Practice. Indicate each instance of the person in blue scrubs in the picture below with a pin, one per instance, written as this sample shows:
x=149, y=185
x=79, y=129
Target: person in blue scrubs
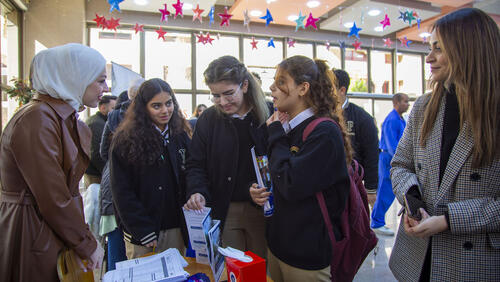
x=392, y=130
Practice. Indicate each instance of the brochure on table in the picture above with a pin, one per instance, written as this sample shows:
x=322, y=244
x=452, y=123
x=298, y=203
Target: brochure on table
x=204, y=236
x=165, y=266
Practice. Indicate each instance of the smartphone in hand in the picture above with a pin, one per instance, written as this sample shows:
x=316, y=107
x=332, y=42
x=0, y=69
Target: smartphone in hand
x=413, y=203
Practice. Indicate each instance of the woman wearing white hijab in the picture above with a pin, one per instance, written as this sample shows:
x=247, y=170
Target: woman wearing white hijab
x=44, y=152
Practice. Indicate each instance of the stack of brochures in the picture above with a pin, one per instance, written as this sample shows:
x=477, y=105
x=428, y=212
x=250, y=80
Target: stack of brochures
x=204, y=236
x=166, y=266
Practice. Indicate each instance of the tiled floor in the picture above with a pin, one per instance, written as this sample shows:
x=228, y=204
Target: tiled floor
x=376, y=265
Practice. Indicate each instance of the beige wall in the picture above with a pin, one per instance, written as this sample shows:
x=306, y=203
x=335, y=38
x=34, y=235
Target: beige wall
x=52, y=23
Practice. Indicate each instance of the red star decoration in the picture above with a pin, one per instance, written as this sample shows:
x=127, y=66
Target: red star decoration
x=387, y=42
x=404, y=41
x=178, y=9
x=291, y=43
x=197, y=13
x=208, y=39
x=161, y=33
x=311, y=21
x=164, y=13
x=113, y=23
x=201, y=38
x=356, y=45
x=99, y=20
x=254, y=43
x=225, y=18
x=138, y=28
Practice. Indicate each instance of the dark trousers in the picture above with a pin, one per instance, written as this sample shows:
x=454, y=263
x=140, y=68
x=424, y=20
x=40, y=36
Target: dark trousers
x=116, y=248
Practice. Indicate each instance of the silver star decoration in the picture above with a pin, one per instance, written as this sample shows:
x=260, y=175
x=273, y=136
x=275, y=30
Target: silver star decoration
x=246, y=19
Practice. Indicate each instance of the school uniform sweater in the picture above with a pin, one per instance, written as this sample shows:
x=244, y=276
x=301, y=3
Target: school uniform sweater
x=296, y=232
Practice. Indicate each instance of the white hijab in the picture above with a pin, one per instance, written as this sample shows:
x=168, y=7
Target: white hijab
x=65, y=71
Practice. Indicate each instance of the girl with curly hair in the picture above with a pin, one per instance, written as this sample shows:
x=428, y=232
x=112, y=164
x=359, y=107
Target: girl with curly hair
x=300, y=249
x=147, y=167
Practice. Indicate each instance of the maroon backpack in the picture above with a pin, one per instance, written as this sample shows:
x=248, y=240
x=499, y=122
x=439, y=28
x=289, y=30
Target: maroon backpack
x=359, y=239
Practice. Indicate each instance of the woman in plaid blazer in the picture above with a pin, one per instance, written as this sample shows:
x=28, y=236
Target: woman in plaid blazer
x=450, y=152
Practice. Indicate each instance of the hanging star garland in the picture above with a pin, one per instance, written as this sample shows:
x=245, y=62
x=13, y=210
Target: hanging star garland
x=405, y=42
x=115, y=5
x=300, y=21
x=211, y=16
x=271, y=43
x=419, y=21
x=342, y=44
x=311, y=21
x=387, y=42
x=354, y=31
x=164, y=13
x=254, y=43
x=291, y=42
x=357, y=45
x=403, y=16
x=197, y=13
x=385, y=22
x=225, y=18
x=201, y=38
x=161, y=33
x=100, y=21
x=246, y=19
x=327, y=45
x=138, y=28
x=178, y=9
x=267, y=17
x=113, y=23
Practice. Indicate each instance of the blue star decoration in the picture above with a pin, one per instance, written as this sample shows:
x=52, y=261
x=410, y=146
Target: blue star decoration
x=403, y=16
x=300, y=21
x=211, y=15
x=114, y=5
x=354, y=31
x=271, y=43
x=342, y=44
x=267, y=17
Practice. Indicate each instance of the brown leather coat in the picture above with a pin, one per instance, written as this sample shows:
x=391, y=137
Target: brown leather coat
x=44, y=152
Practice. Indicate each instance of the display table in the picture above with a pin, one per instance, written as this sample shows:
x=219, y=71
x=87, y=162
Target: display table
x=195, y=267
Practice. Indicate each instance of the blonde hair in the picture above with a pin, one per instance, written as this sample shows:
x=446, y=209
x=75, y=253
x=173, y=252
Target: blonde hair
x=469, y=39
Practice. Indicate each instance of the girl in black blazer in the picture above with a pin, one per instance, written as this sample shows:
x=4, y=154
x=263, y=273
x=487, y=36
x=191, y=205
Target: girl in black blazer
x=220, y=169
x=147, y=170
x=299, y=248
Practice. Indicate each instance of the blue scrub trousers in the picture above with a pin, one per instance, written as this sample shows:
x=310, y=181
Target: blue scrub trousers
x=116, y=248
x=385, y=196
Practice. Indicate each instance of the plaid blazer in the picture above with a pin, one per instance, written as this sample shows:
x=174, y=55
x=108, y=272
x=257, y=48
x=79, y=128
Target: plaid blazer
x=470, y=250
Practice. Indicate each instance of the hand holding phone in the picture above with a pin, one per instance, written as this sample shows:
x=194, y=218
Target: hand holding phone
x=413, y=203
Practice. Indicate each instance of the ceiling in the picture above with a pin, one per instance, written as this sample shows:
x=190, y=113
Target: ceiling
x=333, y=14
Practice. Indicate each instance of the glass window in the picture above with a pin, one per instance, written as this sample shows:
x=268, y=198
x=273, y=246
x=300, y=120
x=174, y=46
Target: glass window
x=331, y=55
x=356, y=65
x=409, y=74
x=366, y=104
x=169, y=60
x=382, y=109
x=263, y=60
x=304, y=49
x=381, y=72
x=427, y=70
x=10, y=59
x=185, y=103
x=225, y=45
x=204, y=99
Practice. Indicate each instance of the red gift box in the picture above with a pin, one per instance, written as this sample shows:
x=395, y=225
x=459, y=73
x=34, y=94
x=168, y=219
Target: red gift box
x=254, y=271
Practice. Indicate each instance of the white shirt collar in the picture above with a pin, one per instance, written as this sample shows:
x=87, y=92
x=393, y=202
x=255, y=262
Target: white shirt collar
x=163, y=133
x=345, y=103
x=298, y=119
x=240, y=117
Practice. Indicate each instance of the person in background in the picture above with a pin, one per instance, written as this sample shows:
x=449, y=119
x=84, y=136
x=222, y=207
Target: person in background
x=108, y=226
x=299, y=248
x=392, y=130
x=363, y=133
x=44, y=152
x=197, y=112
x=450, y=155
x=147, y=170
x=220, y=167
x=96, y=124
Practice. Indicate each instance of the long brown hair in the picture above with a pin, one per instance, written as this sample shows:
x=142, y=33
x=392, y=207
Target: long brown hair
x=229, y=69
x=322, y=96
x=469, y=39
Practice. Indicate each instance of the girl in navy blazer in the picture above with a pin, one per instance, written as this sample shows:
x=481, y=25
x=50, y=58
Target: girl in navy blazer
x=147, y=168
x=299, y=248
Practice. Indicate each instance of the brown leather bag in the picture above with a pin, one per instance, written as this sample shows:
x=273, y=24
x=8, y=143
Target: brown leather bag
x=68, y=269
